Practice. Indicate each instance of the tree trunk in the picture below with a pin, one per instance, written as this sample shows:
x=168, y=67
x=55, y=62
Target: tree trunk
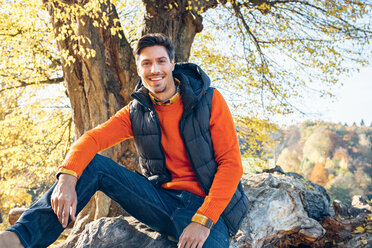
x=98, y=87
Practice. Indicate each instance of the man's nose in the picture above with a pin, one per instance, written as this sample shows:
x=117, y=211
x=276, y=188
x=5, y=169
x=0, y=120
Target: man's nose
x=154, y=68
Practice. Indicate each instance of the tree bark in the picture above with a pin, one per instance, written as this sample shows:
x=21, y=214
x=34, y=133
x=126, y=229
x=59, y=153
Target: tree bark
x=97, y=88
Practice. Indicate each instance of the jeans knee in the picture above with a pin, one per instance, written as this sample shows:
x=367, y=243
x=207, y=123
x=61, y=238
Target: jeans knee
x=101, y=164
x=98, y=161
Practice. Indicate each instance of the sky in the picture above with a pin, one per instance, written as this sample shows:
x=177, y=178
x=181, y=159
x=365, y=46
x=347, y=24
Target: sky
x=352, y=102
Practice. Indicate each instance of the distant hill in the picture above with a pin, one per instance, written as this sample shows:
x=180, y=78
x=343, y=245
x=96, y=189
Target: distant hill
x=335, y=156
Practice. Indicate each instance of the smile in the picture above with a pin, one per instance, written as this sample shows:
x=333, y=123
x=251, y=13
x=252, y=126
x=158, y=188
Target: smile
x=157, y=78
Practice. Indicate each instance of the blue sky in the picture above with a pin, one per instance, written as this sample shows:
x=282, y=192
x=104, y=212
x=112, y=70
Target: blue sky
x=352, y=101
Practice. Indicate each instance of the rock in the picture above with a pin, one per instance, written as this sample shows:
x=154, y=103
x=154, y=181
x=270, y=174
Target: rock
x=97, y=207
x=358, y=241
x=346, y=233
x=121, y=232
x=361, y=203
x=339, y=229
x=283, y=212
x=277, y=168
x=14, y=214
x=343, y=210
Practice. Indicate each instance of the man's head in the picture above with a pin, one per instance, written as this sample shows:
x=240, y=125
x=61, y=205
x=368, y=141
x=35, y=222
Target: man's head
x=156, y=39
x=155, y=63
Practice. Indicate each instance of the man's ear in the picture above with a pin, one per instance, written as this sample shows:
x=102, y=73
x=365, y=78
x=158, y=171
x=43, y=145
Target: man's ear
x=173, y=63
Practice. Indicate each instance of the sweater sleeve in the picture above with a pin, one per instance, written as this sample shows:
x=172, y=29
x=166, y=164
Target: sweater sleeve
x=115, y=130
x=227, y=156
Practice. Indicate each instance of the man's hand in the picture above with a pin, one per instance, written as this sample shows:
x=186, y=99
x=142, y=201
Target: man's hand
x=193, y=236
x=64, y=199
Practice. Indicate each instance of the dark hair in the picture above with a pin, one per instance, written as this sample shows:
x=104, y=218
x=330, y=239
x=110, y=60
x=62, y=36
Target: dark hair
x=156, y=39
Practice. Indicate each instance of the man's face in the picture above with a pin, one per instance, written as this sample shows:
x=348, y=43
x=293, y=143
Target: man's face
x=155, y=70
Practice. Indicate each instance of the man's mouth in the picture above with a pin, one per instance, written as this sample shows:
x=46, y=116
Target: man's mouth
x=155, y=78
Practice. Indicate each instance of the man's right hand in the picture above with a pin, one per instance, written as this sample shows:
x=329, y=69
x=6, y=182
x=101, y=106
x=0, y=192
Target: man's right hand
x=64, y=199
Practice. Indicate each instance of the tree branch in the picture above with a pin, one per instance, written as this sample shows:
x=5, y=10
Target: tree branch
x=24, y=84
x=12, y=35
x=264, y=62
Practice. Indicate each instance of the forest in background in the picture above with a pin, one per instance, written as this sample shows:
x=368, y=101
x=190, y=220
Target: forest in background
x=336, y=156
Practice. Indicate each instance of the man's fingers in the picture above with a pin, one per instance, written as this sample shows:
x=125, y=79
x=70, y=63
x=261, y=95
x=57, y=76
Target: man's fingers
x=200, y=244
x=65, y=214
x=73, y=210
x=181, y=244
x=180, y=241
x=52, y=203
x=59, y=211
x=185, y=242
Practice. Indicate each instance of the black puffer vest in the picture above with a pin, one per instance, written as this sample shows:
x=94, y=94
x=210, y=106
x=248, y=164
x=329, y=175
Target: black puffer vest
x=194, y=126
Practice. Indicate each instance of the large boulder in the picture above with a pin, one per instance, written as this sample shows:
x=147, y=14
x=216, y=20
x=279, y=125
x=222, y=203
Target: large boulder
x=121, y=232
x=284, y=211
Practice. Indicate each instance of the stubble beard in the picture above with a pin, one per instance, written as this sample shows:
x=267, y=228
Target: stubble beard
x=157, y=91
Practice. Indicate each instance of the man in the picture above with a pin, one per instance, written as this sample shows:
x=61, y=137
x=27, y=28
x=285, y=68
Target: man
x=188, y=152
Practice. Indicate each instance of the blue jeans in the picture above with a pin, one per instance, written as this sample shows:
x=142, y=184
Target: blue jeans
x=165, y=211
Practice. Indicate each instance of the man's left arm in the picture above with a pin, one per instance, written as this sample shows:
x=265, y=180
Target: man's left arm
x=229, y=172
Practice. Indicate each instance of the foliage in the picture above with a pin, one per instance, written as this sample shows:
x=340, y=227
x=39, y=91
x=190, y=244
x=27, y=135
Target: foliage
x=33, y=134
x=33, y=140
x=333, y=156
x=319, y=174
x=317, y=146
x=28, y=54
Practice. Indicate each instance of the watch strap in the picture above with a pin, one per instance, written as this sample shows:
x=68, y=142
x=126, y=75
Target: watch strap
x=203, y=220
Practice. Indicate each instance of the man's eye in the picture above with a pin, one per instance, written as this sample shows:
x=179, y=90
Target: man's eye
x=146, y=63
x=163, y=61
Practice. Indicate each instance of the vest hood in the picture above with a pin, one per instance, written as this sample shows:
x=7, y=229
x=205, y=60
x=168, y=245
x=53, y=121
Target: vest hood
x=194, y=83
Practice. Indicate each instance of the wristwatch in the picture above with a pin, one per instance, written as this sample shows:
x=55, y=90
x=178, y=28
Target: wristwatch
x=203, y=220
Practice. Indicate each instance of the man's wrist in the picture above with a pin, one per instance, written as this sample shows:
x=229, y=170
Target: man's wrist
x=203, y=220
x=66, y=171
x=67, y=179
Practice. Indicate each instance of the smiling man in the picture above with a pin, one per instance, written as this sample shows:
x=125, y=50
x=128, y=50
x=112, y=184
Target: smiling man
x=188, y=152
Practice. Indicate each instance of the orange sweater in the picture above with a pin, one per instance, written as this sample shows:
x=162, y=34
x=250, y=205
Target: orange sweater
x=225, y=145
